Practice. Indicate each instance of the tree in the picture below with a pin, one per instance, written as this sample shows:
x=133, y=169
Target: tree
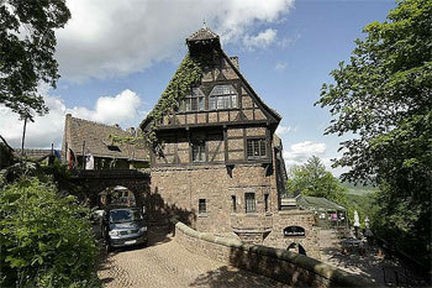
x=45, y=240
x=312, y=179
x=383, y=100
x=27, y=46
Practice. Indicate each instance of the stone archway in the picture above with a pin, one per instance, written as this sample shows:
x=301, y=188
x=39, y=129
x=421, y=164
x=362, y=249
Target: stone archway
x=297, y=248
x=93, y=182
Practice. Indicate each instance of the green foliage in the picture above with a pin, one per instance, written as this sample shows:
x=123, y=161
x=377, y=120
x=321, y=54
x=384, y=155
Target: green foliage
x=383, y=97
x=187, y=76
x=45, y=240
x=27, y=46
x=312, y=179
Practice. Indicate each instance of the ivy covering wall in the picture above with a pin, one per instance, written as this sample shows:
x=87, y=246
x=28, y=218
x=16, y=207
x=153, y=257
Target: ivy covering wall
x=188, y=74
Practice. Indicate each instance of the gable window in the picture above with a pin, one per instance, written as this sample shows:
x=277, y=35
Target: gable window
x=250, y=203
x=198, y=151
x=202, y=207
x=223, y=97
x=194, y=101
x=256, y=148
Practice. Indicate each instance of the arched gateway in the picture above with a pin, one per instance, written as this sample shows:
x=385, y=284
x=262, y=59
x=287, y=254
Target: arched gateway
x=95, y=181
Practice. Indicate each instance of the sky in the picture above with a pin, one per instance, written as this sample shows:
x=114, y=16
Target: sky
x=117, y=57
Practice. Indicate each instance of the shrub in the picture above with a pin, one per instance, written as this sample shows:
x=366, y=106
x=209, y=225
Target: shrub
x=45, y=240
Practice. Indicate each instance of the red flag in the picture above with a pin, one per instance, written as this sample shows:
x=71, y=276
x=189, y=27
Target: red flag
x=72, y=162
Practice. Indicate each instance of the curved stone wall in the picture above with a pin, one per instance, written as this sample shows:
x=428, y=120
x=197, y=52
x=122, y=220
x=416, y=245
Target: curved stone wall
x=284, y=266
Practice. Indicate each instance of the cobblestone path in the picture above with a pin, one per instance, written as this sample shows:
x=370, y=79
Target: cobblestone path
x=166, y=264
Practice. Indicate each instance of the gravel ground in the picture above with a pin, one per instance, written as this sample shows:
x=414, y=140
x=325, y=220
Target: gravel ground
x=164, y=263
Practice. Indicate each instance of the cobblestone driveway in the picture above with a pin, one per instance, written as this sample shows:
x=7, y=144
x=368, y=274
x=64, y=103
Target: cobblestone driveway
x=167, y=264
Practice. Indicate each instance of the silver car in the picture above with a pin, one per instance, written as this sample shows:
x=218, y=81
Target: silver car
x=126, y=227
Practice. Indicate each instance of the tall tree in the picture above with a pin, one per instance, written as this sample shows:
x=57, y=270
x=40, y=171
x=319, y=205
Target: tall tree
x=313, y=179
x=383, y=97
x=27, y=46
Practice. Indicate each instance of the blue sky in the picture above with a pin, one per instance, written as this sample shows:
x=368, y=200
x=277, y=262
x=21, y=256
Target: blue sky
x=116, y=60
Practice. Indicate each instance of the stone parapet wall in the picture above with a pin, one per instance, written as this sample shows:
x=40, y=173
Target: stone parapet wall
x=284, y=266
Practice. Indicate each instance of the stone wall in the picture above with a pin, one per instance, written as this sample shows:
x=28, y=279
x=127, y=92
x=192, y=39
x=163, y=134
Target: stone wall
x=302, y=218
x=284, y=266
x=181, y=188
x=184, y=186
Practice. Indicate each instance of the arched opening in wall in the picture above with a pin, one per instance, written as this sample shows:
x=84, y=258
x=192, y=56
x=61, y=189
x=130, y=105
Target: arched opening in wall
x=116, y=196
x=297, y=248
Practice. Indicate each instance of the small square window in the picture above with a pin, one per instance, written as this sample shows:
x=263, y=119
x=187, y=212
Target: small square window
x=202, y=207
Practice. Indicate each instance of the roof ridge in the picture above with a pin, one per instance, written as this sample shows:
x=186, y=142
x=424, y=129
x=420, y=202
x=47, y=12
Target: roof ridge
x=99, y=123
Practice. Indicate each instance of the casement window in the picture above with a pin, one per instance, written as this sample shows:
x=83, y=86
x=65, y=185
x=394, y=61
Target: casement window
x=250, y=206
x=202, y=206
x=233, y=203
x=223, y=97
x=193, y=102
x=198, y=151
x=256, y=148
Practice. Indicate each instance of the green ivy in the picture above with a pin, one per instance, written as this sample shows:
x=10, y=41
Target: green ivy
x=187, y=75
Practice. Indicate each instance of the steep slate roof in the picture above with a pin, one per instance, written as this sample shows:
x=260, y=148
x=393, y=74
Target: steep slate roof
x=98, y=142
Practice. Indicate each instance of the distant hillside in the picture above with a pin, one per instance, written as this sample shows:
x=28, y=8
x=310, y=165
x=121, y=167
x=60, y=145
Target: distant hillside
x=359, y=189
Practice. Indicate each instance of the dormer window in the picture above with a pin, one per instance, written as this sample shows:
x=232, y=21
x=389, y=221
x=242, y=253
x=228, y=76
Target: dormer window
x=223, y=97
x=194, y=101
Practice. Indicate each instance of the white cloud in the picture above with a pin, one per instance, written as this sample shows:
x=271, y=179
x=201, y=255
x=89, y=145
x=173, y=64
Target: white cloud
x=282, y=130
x=298, y=153
x=122, y=109
x=40, y=133
x=111, y=110
x=261, y=40
x=280, y=66
x=123, y=37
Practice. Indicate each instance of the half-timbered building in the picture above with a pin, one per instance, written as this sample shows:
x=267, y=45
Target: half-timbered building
x=216, y=153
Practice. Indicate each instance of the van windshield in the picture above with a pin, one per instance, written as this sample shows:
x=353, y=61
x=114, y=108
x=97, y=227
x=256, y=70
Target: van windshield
x=124, y=215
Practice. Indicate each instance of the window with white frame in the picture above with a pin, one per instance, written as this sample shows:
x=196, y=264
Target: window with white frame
x=223, y=97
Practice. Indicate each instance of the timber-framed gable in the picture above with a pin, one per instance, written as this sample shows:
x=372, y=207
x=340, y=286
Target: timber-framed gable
x=203, y=121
